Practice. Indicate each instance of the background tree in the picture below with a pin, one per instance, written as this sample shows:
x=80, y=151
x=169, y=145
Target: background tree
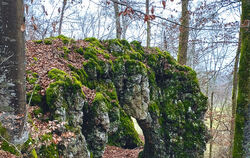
x=184, y=33
x=61, y=18
x=242, y=121
x=234, y=94
x=117, y=21
x=12, y=70
x=148, y=24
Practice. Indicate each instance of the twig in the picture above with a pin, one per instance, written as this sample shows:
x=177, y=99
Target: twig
x=6, y=59
x=12, y=145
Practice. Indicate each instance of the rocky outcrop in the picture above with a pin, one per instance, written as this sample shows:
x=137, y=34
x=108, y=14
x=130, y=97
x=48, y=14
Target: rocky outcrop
x=66, y=101
x=117, y=80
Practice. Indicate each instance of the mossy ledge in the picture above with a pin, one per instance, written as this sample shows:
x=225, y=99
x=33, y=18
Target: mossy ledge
x=119, y=80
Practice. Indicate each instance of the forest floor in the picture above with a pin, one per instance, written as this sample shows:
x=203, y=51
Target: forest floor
x=110, y=152
x=116, y=152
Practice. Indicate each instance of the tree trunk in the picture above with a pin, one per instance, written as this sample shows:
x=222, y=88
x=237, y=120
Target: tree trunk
x=124, y=26
x=234, y=93
x=61, y=18
x=117, y=21
x=148, y=24
x=242, y=120
x=211, y=125
x=12, y=70
x=184, y=33
x=165, y=43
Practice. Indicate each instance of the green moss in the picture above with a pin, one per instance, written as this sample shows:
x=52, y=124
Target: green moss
x=57, y=74
x=108, y=90
x=82, y=75
x=126, y=136
x=9, y=148
x=93, y=69
x=90, y=53
x=135, y=67
x=152, y=60
x=125, y=44
x=137, y=46
x=38, y=111
x=36, y=97
x=115, y=47
x=65, y=39
x=136, y=56
x=69, y=85
x=79, y=50
x=153, y=108
x=46, y=137
x=33, y=78
x=48, y=41
x=3, y=132
x=91, y=155
x=106, y=56
x=38, y=41
x=49, y=151
x=119, y=67
x=66, y=52
x=4, y=144
x=94, y=42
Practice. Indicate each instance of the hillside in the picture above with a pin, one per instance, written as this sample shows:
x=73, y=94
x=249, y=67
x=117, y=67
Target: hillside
x=83, y=94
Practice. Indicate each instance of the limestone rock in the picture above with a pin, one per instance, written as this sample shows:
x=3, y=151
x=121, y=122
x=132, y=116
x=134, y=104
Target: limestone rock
x=118, y=81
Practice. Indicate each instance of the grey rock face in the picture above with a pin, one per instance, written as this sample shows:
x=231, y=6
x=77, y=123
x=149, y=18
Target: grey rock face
x=155, y=145
x=136, y=96
x=133, y=93
x=96, y=125
x=68, y=108
x=11, y=123
x=75, y=147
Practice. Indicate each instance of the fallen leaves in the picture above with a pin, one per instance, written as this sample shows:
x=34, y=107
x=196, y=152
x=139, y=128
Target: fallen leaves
x=42, y=58
x=90, y=94
x=116, y=152
x=4, y=154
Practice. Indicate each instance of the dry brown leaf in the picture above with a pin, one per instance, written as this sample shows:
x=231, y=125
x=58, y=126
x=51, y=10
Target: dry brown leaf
x=23, y=27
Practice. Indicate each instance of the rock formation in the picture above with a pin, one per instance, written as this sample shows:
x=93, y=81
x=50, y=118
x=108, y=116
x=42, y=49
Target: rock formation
x=94, y=88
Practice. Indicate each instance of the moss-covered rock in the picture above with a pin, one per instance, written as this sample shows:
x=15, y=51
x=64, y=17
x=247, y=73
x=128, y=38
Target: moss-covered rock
x=66, y=101
x=96, y=125
x=124, y=80
x=125, y=136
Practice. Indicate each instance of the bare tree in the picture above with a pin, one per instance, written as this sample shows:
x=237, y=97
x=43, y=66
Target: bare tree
x=184, y=33
x=61, y=18
x=148, y=24
x=234, y=93
x=211, y=123
x=117, y=21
